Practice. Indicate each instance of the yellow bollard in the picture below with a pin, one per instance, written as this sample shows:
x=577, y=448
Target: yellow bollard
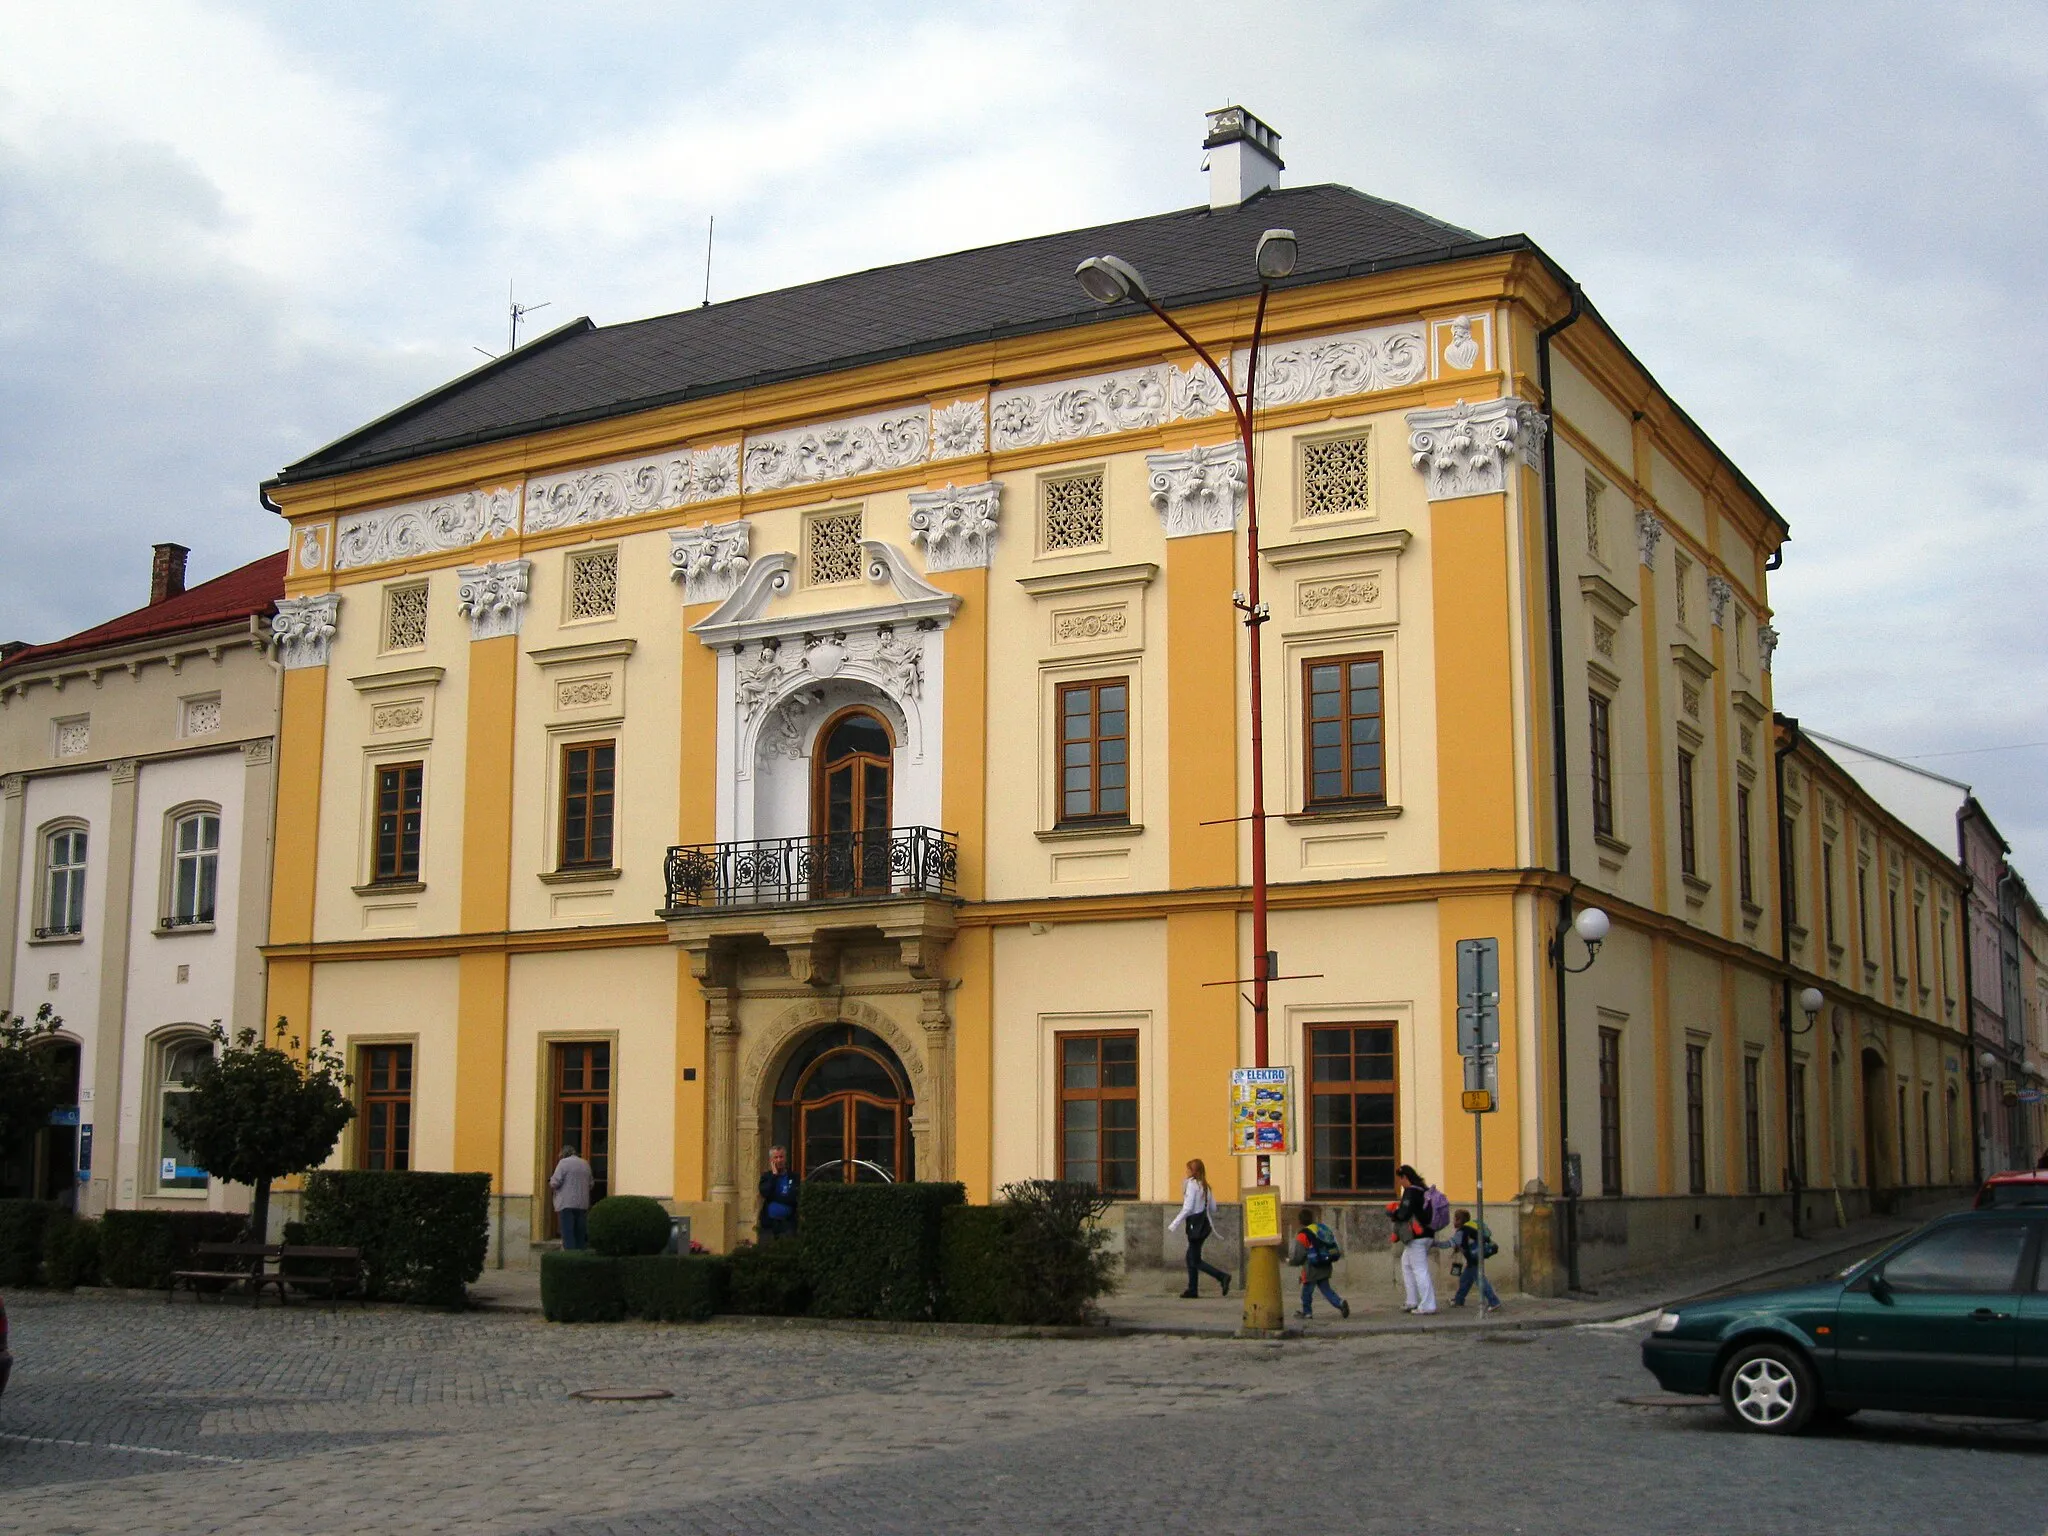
x=1263, y=1310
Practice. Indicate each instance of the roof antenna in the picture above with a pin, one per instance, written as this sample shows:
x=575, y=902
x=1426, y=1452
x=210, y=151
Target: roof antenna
x=518, y=312
x=710, y=230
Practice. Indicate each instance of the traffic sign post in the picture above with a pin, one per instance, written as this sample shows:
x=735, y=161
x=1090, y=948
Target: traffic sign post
x=1479, y=1044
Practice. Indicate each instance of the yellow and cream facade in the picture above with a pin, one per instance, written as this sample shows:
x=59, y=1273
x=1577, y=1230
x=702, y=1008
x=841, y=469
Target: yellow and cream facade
x=912, y=702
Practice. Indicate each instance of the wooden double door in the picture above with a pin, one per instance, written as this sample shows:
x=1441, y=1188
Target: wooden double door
x=851, y=806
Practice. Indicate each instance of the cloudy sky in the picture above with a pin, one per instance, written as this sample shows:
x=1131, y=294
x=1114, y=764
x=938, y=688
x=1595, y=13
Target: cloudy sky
x=230, y=232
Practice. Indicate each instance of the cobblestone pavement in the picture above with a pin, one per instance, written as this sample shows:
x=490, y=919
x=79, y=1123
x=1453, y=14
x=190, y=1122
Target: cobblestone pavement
x=128, y=1416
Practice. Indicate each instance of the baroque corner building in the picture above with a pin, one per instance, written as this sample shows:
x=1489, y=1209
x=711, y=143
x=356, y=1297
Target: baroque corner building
x=699, y=735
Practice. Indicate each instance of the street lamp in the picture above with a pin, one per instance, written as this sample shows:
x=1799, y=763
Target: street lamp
x=1111, y=280
x=1591, y=926
x=1811, y=1000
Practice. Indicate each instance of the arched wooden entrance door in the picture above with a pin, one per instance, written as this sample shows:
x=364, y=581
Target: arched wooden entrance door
x=850, y=805
x=842, y=1108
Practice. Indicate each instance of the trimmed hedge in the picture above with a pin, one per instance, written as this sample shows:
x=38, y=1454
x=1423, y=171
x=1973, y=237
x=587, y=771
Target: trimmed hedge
x=423, y=1236
x=872, y=1250
x=139, y=1249
x=71, y=1253
x=1037, y=1257
x=769, y=1280
x=581, y=1287
x=626, y=1226
x=21, y=1239
x=673, y=1287
x=976, y=1247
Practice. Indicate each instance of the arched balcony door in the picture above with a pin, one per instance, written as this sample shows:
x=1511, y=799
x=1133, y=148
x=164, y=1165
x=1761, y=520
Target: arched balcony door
x=851, y=804
x=842, y=1107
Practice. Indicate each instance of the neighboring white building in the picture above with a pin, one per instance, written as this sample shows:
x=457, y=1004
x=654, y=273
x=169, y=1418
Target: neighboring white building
x=137, y=760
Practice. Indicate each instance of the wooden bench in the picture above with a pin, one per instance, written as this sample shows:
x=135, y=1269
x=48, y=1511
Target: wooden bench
x=234, y=1266
x=340, y=1273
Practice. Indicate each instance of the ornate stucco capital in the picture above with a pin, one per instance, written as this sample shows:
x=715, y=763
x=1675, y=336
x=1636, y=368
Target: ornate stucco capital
x=956, y=527
x=1649, y=534
x=1464, y=449
x=304, y=628
x=492, y=596
x=1766, y=644
x=1719, y=591
x=1198, y=490
x=12, y=785
x=710, y=561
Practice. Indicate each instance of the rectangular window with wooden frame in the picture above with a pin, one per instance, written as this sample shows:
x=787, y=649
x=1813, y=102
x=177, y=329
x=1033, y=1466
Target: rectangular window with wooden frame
x=384, y=1142
x=1344, y=721
x=1352, y=1103
x=588, y=785
x=1753, y=1124
x=1696, y=1118
x=1095, y=752
x=1688, y=832
x=580, y=1113
x=1610, y=1111
x=1603, y=764
x=400, y=797
x=1744, y=863
x=1099, y=1111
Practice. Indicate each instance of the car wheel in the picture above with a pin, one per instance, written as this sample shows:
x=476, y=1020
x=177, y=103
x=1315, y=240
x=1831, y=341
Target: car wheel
x=1768, y=1388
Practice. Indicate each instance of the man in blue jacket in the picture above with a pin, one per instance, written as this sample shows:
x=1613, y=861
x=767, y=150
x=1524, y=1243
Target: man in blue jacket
x=778, y=1197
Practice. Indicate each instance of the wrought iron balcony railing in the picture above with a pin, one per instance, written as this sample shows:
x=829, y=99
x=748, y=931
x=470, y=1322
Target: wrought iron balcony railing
x=841, y=866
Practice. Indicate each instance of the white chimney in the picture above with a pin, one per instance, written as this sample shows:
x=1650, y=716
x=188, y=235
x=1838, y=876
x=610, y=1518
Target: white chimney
x=1243, y=157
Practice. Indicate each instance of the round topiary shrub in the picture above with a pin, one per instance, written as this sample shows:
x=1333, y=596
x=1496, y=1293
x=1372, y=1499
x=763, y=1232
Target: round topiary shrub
x=624, y=1226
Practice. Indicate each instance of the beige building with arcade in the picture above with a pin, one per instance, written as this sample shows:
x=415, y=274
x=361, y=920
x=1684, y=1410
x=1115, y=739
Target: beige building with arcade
x=821, y=718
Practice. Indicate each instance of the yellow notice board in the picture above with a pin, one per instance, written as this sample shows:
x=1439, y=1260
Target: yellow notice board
x=1262, y=1218
x=1261, y=1108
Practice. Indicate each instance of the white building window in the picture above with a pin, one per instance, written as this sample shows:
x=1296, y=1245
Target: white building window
x=594, y=584
x=63, y=904
x=1336, y=476
x=832, y=548
x=1070, y=512
x=405, y=617
x=195, y=868
x=181, y=1060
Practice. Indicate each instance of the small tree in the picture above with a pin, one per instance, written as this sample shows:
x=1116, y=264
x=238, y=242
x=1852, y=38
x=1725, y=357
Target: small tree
x=29, y=1084
x=260, y=1112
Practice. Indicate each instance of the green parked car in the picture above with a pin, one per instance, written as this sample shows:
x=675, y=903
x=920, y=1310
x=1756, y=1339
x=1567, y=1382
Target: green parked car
x=1953, y=1319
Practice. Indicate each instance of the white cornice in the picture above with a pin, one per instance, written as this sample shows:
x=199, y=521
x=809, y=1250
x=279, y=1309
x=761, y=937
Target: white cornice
x=1138, y=574
x=398, y=677
x=1381, y=541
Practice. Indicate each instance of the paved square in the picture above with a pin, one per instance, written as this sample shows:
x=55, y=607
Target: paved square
x=129, y=1416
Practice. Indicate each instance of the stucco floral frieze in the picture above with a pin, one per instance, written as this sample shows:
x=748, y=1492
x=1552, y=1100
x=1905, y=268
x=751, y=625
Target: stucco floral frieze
x=959, y=429
x=417, y=528
x=605, y=491
x=1353, y=363
x=1129, y=401
x=835, y=450
x=1197, y=490
x=956, y=527
x=303, y=629
x=709, y=561
x=1464, y=449
x=493, y=596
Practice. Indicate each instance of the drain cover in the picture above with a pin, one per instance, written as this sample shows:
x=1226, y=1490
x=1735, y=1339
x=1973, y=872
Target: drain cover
x=622, y=1394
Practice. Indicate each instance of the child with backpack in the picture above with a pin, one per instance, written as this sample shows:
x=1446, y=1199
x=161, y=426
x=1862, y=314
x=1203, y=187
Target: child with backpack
x=1466, y=1240
x=1315, y=1250
x=1420, y=1213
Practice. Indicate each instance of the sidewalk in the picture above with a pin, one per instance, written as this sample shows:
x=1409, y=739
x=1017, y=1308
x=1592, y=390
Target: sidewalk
x=1211, y=1316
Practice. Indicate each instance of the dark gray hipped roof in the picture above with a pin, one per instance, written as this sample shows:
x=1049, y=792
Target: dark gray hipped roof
x=583, y=372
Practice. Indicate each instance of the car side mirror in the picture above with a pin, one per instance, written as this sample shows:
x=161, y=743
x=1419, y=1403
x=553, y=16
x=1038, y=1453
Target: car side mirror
x=1881, y=1288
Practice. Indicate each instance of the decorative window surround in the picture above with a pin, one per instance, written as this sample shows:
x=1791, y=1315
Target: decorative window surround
x=493, y=597
x=627, y=487
x=1095, y=611
x=427, y=527
x=709, y=561
x=401, y=706
x=1691, y=661
x=1649, y=533
x=304, y=629
x=1347, y=363
x=1605, y=595
x=1363, y=590
x=1719, y=591
x=1464, y=449
x=956, y=527
x=1390, y=541
x=1130, y=401
x=1197, y=490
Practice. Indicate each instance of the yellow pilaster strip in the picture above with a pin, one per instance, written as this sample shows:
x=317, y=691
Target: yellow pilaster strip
x=696, y=822
x=301, y=739
x=1477, y=917
x=1664, y=1061
x=1203, y=1040
x=965, y=795
x=485, y=906
x=971, y=958
x=1474, y=702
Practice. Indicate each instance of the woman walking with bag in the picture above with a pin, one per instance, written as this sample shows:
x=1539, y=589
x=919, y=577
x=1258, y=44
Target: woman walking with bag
x=1198, y=1210
x=1412, y=1231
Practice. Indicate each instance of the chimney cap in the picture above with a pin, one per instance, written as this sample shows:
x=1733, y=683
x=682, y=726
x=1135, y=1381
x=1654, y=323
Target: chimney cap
x=1233, y=125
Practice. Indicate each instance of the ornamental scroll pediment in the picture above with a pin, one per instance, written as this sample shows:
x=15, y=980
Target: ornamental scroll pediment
x=1464, y=449
x=756, y=611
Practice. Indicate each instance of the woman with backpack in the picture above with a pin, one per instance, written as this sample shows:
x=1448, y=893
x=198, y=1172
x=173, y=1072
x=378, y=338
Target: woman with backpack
x=1412, y=1230
x=1198, y=1210
x=1315, y=1250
